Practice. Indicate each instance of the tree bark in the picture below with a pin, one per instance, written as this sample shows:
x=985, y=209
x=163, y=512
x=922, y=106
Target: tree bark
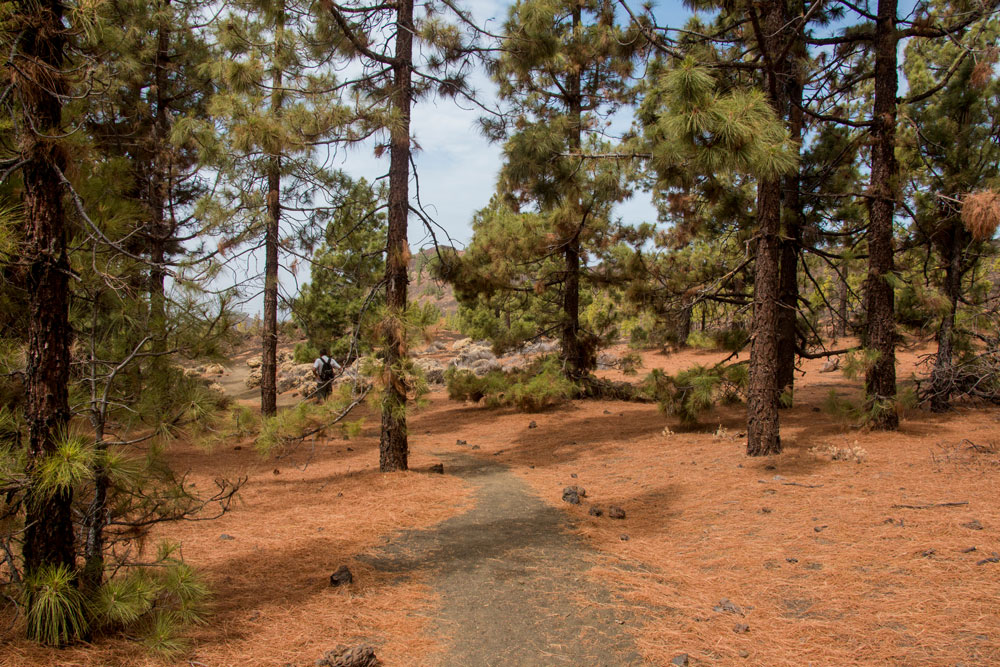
x=684, y=325
x=843, y=290
x=269, y=335
x=763, y=397
x=880, y=323
x=48, y=535
x=792, y=214
x=576, y=352
x=393, y=445
x=941, y=383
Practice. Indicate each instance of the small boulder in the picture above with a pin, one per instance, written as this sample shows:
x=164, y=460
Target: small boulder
x=254, y=378
x=572, y=494
x=343, y=656
x=226, y=537
x=433, y=370
x=973, y=525
x=214, y=369
x=532, y=424
x=615, y=512
x=255, y=362
x=680, y=660
x=341, y=577
x=596, y=511
x=461, y=344
x=438, y=468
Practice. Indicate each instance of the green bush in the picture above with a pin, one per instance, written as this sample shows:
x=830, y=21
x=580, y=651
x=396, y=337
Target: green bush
x=691, y=392
x=536, y=388
x=305, y=353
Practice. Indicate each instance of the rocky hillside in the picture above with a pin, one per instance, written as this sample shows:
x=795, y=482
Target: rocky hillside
x=425, y=289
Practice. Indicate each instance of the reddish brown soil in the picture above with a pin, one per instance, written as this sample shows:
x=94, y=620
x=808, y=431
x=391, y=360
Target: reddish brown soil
x=821, y=565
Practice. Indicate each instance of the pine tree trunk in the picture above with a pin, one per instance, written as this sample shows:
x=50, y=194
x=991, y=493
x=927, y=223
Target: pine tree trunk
x=393, y=446
x=684, y=325
x=764, y=392
x=792, y=218
x=575, y=351
x=269, y=335
x=880, y=333
x=941, y=384
x=843, y=290
x=160, y=229
x=96, y=518
x=48, y=533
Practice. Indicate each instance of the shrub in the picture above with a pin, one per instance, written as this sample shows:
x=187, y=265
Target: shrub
x=540, y=386
x=691, y=392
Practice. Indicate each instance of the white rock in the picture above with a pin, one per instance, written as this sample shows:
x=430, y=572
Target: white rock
x=461, y=344
x=254, y=378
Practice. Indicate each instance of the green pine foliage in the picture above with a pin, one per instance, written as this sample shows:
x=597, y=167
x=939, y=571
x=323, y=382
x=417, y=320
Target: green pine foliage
x=55, y=606
x=346, y=269
x=693, y=391
x=290, y=427
x=538, y=387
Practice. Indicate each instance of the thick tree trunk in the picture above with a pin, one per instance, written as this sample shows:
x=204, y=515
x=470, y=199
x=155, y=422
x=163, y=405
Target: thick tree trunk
x=269, y=335
x=880, y=323
x=763, y=395
x=941, y=375
x=393, y=446
x=764, y=392
x=48, y=534
x=577, y=353
x=792, y=218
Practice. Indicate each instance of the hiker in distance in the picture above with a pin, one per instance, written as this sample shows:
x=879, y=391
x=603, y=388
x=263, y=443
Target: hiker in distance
x=323, y=370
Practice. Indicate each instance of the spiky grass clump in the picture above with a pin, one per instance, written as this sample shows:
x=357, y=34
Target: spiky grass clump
x=153, y=604
x=55, y=609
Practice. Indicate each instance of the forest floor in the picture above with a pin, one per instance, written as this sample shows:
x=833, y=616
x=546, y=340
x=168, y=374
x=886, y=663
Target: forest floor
x=889, y=557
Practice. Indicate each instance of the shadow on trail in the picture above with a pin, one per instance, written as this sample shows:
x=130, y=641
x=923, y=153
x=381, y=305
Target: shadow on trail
x=513, y=582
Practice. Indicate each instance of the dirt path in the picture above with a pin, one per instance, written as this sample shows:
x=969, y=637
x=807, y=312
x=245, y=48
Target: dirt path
x=512, y=579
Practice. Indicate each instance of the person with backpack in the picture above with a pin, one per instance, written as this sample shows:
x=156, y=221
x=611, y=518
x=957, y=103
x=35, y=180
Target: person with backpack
x=323, y=370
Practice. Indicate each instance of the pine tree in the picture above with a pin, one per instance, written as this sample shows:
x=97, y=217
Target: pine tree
x=277, y=109
x=690, y=125
x=564, y=72
x=394, y=75
x=149, y=61
x=950, y=154
x=346, y=267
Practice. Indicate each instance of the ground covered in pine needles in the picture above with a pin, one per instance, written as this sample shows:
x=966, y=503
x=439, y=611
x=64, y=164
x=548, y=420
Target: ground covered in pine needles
x=850, y=548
